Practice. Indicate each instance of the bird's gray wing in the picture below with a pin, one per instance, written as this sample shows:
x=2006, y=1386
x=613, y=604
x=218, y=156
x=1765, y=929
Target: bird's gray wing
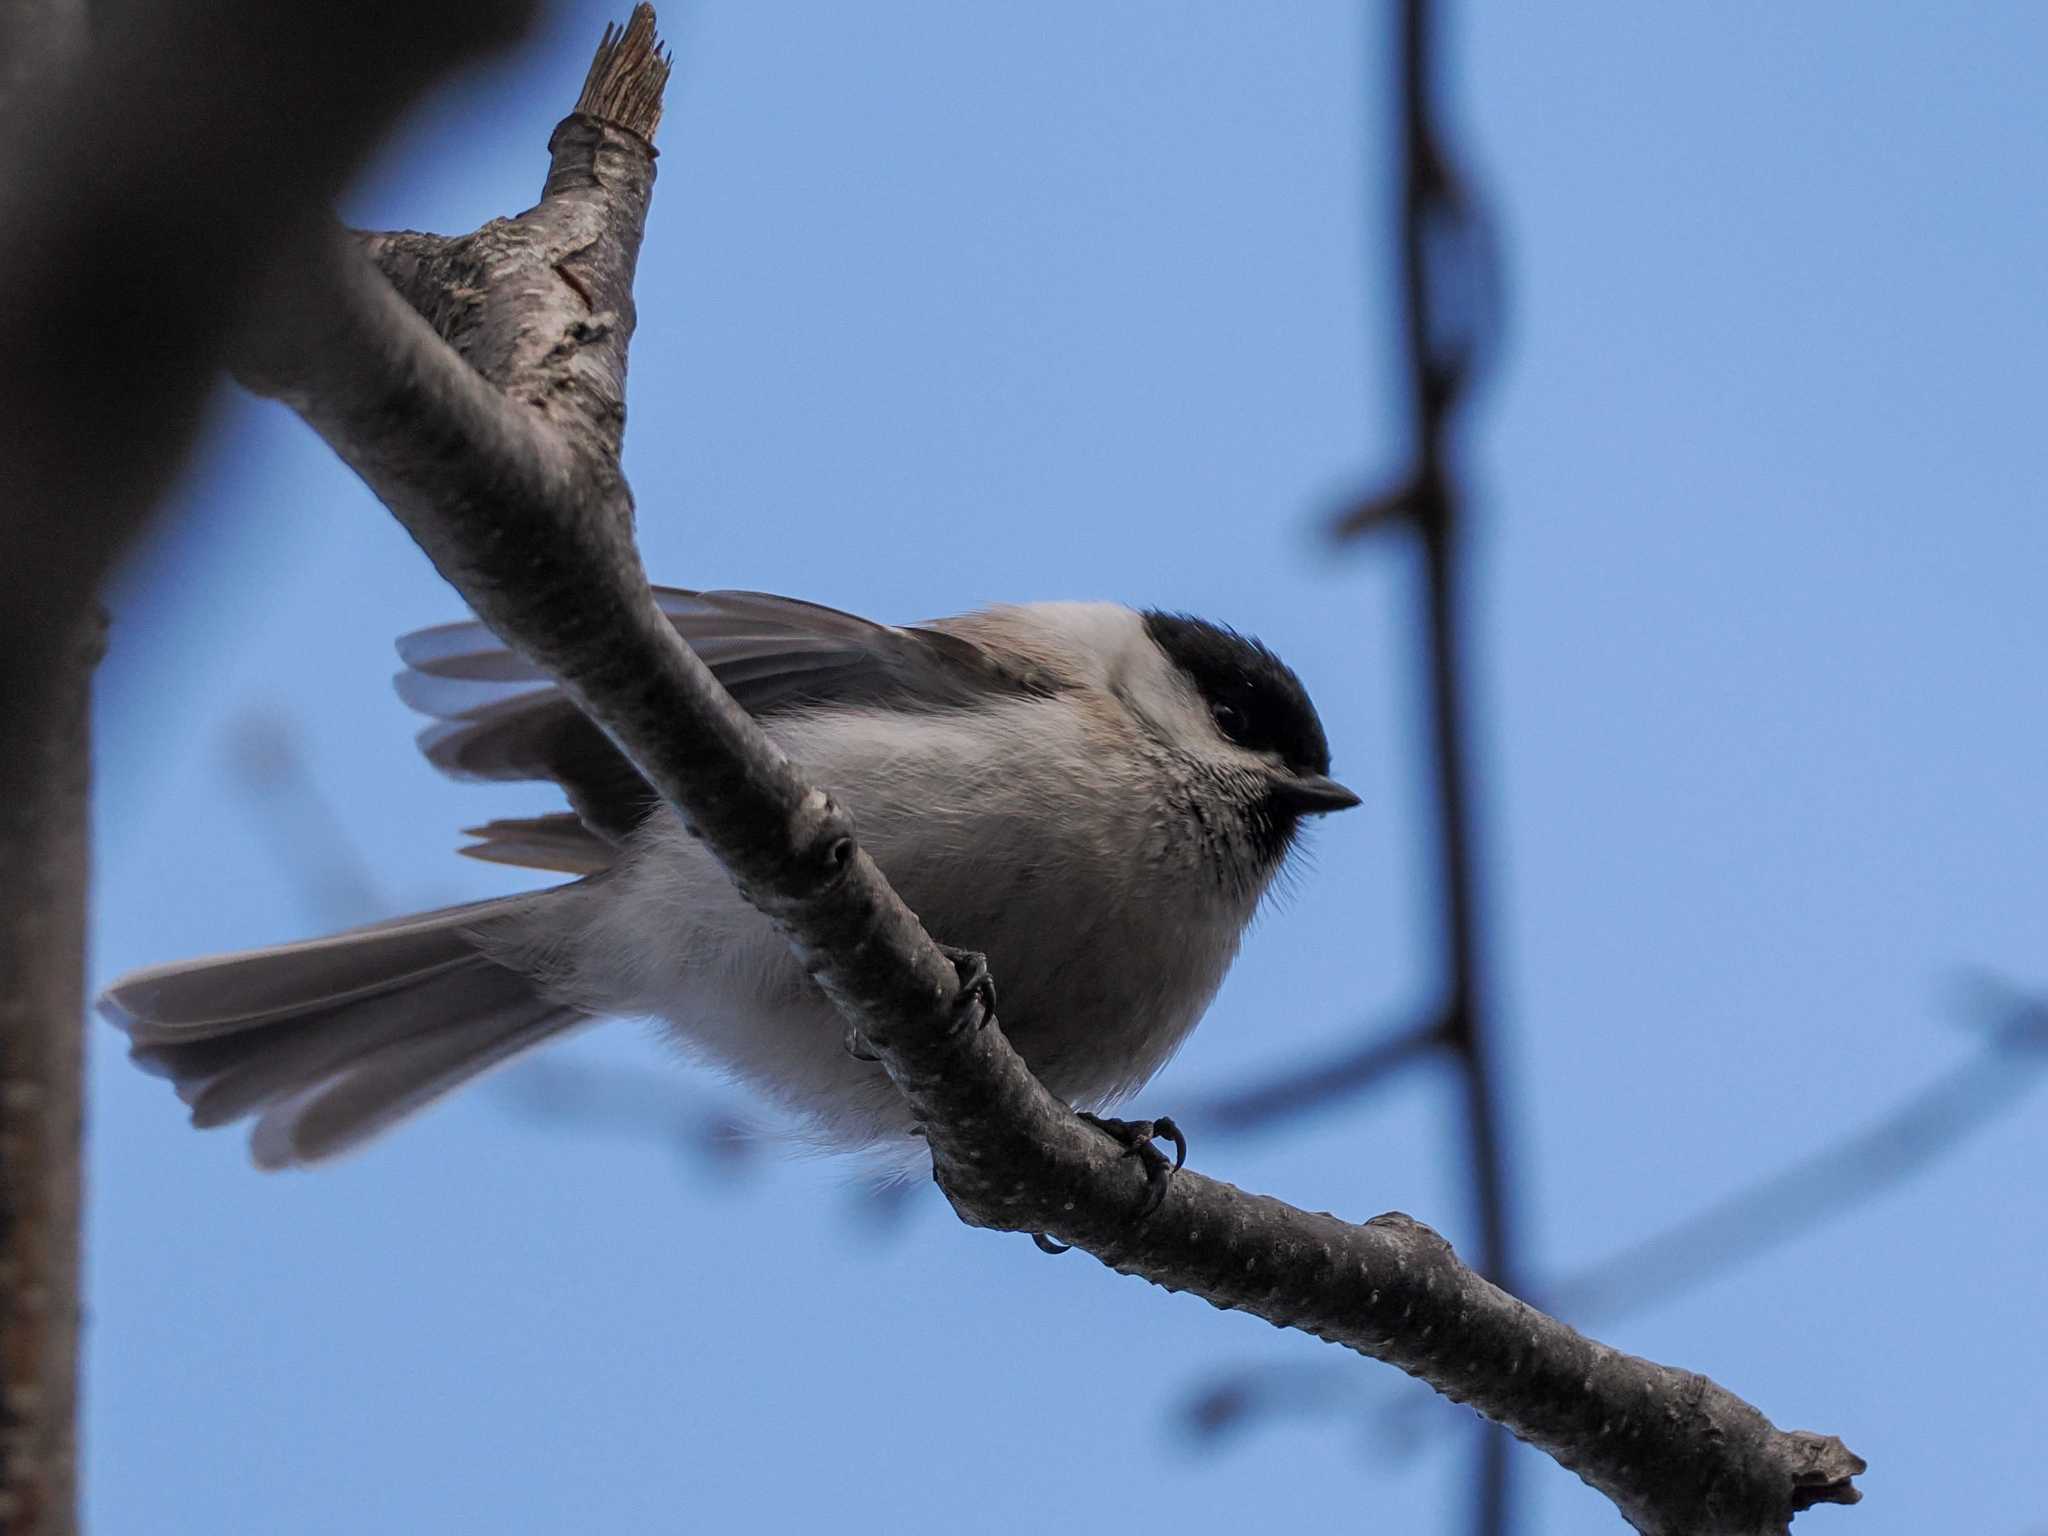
x=502, y=718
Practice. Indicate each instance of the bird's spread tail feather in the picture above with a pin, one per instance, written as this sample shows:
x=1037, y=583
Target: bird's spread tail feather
x=330, y=1041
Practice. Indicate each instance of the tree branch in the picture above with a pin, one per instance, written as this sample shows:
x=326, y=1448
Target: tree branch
x=501, y=462
x=1734, y=1231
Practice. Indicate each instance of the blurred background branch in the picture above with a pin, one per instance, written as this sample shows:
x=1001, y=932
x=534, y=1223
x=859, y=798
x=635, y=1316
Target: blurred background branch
x=1450, y=311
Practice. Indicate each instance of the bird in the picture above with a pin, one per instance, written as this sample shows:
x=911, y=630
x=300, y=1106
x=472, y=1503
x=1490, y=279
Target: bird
x=1096, y=798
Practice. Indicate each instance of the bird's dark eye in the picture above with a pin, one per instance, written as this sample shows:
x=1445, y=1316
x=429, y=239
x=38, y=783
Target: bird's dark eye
x=1230, y=720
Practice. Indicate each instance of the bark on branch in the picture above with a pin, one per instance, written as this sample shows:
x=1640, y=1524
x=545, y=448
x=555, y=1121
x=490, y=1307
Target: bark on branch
x=485, y=407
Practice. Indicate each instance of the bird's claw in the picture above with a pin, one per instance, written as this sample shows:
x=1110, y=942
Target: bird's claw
x=1136, y=1137
x=975, y=1004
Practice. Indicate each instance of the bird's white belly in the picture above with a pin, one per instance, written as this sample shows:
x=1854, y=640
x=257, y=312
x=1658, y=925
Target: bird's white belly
x=1103, y=960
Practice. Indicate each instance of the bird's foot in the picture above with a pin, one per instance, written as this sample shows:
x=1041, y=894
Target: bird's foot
x=1136, y=1137
x=975, y=1006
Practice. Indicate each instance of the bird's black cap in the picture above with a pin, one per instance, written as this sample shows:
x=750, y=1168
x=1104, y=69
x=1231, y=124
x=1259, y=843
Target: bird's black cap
x=1257, y=700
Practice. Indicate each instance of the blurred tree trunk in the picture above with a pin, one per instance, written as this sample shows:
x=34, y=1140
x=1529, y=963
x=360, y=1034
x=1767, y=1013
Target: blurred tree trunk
x=140, y=203
x=43, y=852
x=45, y=684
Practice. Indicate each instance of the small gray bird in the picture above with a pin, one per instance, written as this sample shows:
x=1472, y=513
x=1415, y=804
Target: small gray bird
x=1095, y=798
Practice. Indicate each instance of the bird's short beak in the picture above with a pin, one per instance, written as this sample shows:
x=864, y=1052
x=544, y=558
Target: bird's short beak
x=1308, y=794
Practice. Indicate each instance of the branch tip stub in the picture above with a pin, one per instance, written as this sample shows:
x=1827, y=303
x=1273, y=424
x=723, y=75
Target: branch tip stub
x=627, y=77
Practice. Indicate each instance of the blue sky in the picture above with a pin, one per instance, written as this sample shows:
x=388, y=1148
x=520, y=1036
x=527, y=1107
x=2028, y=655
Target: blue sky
x=946, y=303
